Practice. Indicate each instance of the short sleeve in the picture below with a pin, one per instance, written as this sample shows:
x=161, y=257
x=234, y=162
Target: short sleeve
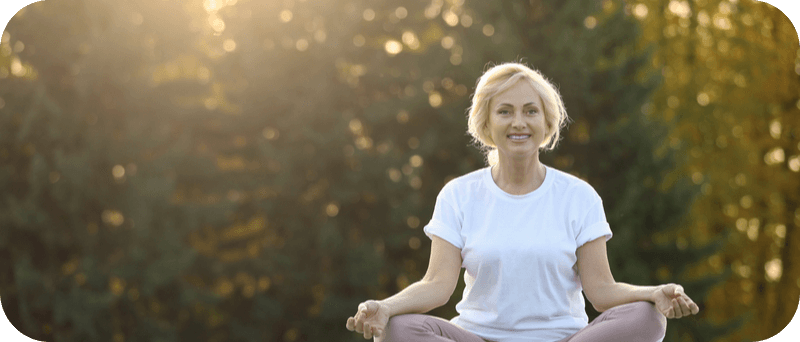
x=593, y=225
x=446, y=220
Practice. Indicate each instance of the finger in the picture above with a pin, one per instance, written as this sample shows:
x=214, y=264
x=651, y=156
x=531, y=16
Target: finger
x=367, y=331
x=676, y=308
x=688, y=303
x=359, y=328
x=351, y=324
x=684, y=305
x=689, y=306
x=378, y=332
x=678, y=290
x=695, y=308
x=360, y=318
x=670, y=313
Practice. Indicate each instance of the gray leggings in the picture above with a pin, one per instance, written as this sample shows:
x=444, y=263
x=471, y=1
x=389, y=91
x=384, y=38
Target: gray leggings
x=633, y=322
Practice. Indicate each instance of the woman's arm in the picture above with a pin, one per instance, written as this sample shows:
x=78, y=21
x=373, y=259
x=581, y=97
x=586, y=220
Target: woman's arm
x=613, y=294
x=435, y=288
x=432, y=291
x=605, y=293
x=598, y=283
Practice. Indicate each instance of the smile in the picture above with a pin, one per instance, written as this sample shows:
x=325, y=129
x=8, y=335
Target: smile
x=519, y=137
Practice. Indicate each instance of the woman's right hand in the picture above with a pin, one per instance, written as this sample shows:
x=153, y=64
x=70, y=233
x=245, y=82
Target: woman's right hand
x=370, y=320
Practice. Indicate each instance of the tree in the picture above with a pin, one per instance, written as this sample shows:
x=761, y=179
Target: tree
x=728, y=90
x=91, y=242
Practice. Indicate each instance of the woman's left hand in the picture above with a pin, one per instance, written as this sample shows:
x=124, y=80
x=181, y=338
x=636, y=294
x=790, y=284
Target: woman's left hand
x=672, y=302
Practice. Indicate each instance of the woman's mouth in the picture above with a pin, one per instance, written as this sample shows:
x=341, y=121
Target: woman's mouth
x=519, y=137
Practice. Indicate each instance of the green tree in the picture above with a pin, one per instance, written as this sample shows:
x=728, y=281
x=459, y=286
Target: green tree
x=91, y=243
x=729, y=89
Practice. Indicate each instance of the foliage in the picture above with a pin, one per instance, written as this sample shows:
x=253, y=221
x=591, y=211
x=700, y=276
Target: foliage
x=730, y=92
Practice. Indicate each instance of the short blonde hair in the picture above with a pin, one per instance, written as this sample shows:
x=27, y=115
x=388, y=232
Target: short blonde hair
x=496, y=80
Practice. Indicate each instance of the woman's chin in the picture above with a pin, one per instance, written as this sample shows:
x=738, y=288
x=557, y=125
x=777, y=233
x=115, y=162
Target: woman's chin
x=518, y=151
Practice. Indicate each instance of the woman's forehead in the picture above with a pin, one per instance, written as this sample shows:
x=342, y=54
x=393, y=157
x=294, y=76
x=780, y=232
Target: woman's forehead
x=519, y=94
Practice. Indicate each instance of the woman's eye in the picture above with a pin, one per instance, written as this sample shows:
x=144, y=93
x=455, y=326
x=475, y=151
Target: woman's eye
x=532, y=111
x=503, y=112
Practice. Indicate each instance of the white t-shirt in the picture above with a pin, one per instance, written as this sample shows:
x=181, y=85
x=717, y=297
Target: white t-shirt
x=521, y=277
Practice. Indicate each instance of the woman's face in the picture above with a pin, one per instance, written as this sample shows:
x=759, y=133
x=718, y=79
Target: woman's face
x=516, y=121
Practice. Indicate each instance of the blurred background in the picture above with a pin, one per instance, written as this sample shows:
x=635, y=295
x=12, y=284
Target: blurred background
x=223, y=170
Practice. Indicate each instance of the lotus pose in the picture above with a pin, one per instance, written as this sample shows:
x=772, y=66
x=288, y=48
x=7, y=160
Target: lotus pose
x=531, y=238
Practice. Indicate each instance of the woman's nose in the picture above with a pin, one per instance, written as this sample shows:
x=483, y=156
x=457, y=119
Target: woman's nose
x=518, y=120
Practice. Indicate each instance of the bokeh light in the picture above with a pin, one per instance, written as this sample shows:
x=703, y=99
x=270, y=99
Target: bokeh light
x=393, y=47
x=301, y=45
x=447, y=42
x=118, y=171
x=590, y=22
x=286, y=16
x=368, y=14
x=450, y=18
x=488, y=30
x=359, y=40
x=435, y=99
x=229, y=45
x=640, y=11
x=411, y=40
x=401, y=12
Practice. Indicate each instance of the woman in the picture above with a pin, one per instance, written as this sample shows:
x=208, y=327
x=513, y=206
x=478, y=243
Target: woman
x=530, y=237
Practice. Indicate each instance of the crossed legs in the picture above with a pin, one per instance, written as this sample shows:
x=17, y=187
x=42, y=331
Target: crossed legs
x=635, y=322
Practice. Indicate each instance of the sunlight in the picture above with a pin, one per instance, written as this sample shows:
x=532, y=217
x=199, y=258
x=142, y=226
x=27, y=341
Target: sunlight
x=215, y=5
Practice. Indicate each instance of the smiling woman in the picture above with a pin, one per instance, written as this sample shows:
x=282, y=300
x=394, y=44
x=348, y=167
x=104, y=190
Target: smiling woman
x=517, y=128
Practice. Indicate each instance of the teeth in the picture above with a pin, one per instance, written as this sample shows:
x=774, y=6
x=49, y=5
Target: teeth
x=518, y=137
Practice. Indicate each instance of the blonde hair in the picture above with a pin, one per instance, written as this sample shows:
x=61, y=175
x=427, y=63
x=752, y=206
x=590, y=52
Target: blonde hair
x=496, y=80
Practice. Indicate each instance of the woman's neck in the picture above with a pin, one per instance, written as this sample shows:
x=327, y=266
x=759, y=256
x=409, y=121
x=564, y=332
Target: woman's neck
x=519, y=177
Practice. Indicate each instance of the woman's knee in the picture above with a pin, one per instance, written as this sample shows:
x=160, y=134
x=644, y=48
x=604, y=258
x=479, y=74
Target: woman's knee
x=647, y=320
x=404, y=327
